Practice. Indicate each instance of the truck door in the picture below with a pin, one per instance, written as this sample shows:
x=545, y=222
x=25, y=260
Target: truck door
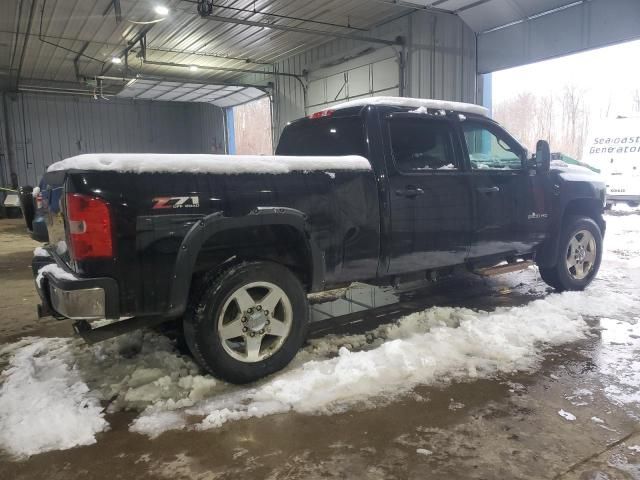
x=429, y=193
x=509, y=200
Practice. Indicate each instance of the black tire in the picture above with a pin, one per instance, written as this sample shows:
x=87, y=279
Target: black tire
x=559, y=276
x=25, y=195
x=201, y=321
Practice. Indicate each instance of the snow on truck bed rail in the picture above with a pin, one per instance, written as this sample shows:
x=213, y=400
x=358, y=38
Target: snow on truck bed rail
x=200, y=163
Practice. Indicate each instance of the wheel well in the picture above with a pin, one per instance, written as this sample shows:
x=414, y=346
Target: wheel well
x=283, y=244
x=589, y=207
x=547, y=254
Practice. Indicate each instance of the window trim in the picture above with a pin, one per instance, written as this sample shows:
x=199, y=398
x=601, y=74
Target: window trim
x=458, y=161
x=497, y=131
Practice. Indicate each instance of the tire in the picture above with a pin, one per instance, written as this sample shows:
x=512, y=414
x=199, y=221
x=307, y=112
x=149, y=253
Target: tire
x=220, y=308
x=580, y=244
x=26, y=205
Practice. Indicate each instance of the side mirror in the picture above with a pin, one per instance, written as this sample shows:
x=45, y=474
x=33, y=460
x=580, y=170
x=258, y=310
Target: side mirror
x=543, y=156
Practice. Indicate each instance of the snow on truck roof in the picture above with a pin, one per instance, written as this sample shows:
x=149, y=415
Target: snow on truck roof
x=197, y=163
x=415, y=102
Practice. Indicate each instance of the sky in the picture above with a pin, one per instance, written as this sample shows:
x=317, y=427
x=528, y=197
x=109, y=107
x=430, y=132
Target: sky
x=608, y=75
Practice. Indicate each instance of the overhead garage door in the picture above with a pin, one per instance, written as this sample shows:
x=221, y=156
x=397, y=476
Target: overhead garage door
x=367, y=76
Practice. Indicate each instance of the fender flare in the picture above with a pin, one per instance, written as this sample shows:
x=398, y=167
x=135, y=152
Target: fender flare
x=214, y=223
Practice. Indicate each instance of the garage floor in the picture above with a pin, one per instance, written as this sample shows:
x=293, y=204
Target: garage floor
x=573, y=416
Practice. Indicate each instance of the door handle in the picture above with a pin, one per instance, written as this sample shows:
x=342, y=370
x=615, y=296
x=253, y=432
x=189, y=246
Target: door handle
x=410, y=192
x=493, y=189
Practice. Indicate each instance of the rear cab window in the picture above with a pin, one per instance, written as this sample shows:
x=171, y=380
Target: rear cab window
x=327, y=136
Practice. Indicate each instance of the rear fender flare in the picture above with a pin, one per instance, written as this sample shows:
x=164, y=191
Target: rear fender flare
x=216, y=223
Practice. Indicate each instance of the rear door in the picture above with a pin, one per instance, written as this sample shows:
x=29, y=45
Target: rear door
x=430, y=198
x=509, y=200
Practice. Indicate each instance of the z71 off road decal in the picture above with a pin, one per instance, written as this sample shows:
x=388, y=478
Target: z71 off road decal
x=176, y=202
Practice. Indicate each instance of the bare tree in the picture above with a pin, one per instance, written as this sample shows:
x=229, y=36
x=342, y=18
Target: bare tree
x=562, y=120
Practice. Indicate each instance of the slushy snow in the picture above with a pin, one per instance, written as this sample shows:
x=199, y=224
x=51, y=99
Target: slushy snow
x=199, y=163
x=44, y=403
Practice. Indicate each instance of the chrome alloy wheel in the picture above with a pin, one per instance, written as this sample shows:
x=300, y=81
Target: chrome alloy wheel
x=255, y=321
x=581, y=254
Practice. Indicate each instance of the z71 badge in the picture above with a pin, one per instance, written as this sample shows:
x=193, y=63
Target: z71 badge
x=176, y=202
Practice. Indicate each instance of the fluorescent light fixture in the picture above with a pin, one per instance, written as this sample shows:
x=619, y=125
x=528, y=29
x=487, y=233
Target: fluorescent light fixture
x=116, y=60
x=194, y=68
x=161, y=10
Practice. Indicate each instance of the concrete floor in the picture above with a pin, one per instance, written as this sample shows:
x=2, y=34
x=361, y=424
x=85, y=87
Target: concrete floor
x=504, y=428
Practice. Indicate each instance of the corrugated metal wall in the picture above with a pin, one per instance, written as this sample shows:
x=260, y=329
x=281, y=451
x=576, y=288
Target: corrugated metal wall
x=440, y=62
x=45, y=128
x=581, y=26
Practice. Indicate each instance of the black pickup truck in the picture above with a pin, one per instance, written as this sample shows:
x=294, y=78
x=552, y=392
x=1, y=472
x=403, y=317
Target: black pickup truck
x=382, y=191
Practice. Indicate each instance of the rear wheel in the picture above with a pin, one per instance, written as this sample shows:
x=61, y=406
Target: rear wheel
x=578, y=258
x=247, y=322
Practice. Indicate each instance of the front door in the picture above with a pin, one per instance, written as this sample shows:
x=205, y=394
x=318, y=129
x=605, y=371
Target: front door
x=509, y=201
x=430, y=200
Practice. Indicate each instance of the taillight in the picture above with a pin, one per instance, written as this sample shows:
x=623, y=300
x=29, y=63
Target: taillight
x=321, y=114
x=89, y=227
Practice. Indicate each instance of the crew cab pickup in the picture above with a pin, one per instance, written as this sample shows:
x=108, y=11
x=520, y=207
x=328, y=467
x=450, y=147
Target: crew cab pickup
x=380, y=190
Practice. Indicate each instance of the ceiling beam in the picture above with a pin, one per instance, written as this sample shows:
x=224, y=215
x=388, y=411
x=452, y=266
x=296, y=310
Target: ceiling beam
x=220, y=69
x=306, y=31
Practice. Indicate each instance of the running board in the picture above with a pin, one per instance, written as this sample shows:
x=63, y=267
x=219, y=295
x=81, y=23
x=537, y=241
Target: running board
x=506, y=268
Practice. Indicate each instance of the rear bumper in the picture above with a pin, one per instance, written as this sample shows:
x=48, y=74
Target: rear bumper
x=77, y=298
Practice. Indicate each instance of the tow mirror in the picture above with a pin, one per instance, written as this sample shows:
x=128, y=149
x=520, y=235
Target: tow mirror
x=543, y=156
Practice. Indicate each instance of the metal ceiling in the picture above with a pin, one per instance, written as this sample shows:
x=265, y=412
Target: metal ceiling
x=222, y=96
x=78, y=38
x=68, y=44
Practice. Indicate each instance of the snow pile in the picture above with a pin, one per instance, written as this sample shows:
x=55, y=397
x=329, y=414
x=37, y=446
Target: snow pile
x=438, y=345
x=56, y=271
x=44, y=404
x=197, y=163
x=138, y=370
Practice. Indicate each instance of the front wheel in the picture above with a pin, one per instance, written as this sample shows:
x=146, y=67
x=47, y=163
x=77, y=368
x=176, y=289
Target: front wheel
x=247, y=322
x=579, y=256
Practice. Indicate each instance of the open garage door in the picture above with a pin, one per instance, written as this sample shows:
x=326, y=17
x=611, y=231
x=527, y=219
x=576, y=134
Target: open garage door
x=377, y=73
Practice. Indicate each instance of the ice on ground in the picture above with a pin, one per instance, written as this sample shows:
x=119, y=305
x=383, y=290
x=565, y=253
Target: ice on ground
x=44, y=403
x=634, y=448
x=567, y=415
x=424, y=451
x=597, y=420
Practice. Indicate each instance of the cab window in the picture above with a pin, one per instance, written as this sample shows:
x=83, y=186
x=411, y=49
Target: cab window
x=421, y=146
x=489, y=148
x=323, y=136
